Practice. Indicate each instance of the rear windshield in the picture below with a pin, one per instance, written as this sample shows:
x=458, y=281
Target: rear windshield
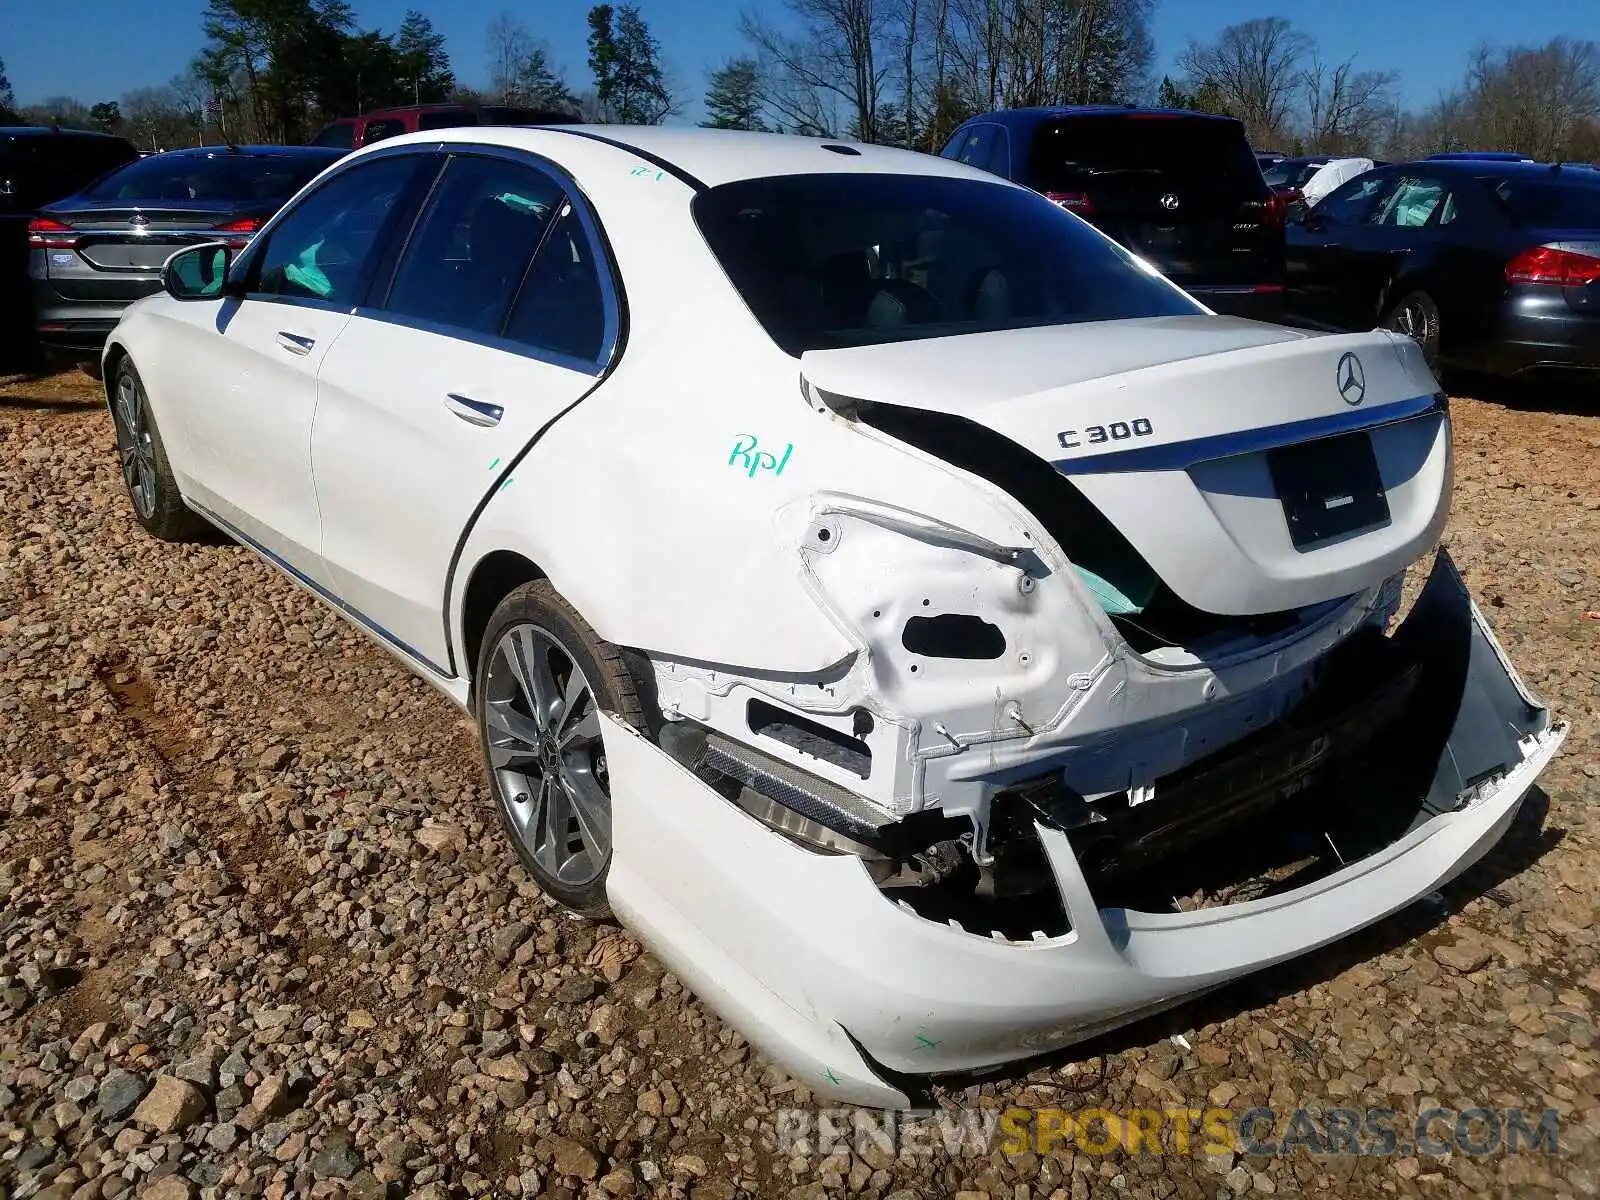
x=1291, y=174
x=1195, y=153
x=851, y=260
x=237, y=177
x=1550, y=203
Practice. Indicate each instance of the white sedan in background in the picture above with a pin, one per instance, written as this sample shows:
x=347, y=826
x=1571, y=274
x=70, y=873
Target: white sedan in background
x=937, y=635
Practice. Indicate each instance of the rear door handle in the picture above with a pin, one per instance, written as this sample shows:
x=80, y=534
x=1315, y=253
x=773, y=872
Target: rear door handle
x=474, y=412
x=295, y=343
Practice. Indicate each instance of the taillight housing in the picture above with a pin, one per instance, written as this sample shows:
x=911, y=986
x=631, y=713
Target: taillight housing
x=1077, y=202
x=1275, y=212
x=247, y=225
x=51, y=234
x=1553, y=266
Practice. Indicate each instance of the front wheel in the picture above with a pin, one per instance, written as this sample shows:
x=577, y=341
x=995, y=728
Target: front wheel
x=157, y=503
x=544, y=677
x=1417, y=316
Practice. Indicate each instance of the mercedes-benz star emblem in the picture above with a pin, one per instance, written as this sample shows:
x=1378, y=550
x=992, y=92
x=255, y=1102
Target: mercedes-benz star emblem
x=1351, y=380
x=1170, y=202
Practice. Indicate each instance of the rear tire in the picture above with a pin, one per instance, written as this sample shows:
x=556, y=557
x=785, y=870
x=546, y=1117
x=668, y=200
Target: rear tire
x=543, y=676
x=1417, y=316
x=153, y=491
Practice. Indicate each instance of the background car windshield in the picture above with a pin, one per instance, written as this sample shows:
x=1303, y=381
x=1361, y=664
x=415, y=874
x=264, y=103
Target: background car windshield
x=242, y=177
x=1202, y=154
x=846, y=260
x=1550, y=205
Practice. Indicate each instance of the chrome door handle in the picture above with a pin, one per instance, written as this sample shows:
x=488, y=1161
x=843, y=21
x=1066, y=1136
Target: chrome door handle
x=295, y=343
x=474, y=412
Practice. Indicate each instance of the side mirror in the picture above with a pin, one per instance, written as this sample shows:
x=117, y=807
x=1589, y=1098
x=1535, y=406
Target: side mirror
x=1298, y=213
x=198, y=273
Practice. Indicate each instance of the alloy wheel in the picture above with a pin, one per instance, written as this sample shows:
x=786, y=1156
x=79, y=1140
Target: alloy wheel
x=542, y=732
x=135, y=445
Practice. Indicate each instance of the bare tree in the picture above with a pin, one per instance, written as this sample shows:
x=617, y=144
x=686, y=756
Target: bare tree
x=1540, y=101
x=835, y=57
x=1257, y=67
x=1346, y=110
x=510, y=45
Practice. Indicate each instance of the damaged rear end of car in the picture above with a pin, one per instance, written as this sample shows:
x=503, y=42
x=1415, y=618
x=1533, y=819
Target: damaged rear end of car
x=1154, y=730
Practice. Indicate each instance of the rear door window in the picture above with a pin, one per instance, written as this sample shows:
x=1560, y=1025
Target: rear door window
x=562, y=307
x=1412, y=204
x=955, y=145
x=469, y=252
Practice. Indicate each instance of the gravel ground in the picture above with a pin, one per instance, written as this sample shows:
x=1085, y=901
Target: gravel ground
x=261, y=935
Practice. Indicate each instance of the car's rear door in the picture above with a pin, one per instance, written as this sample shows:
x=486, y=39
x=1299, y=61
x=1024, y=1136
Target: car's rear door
x=1320, y=243
x=239, y=375
x=1183, y=192
x=433, y=391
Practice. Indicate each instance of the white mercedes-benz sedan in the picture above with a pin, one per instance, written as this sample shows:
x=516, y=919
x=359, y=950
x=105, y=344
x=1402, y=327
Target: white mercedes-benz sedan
x=935, y=633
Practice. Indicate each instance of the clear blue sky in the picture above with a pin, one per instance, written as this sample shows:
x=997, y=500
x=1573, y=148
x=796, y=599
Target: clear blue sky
x=99, y=49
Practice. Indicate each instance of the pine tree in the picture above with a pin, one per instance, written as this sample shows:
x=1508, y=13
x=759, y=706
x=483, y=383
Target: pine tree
x=625, y=59
x=733, y=100
x=421, y=58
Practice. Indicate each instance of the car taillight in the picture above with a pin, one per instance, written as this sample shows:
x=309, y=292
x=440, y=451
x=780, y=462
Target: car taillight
x=1274, y=211
x=51, y=235
x=1077, y=202
x=1551, y=265
x=247, y=225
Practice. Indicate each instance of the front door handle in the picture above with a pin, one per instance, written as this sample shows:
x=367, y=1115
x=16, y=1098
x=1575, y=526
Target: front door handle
x=295, y=343
x=474, y=412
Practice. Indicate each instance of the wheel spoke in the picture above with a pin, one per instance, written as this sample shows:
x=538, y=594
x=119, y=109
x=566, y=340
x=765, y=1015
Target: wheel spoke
x=532, y=667
x=554, y=818
x=579, y=719
x=128, y=409
x=591, y=807
x=513, y=738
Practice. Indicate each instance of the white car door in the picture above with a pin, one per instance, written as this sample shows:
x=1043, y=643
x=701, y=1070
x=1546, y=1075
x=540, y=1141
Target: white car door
x=249, y=389
x=429, y=395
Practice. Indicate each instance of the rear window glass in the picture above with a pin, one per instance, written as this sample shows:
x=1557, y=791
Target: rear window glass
x=850, y=260
x=1291, y=174
x=1199, y=154
x=210, y=177
x=1550, y=204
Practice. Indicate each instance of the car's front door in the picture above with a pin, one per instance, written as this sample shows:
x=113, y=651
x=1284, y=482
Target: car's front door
x=1401, y=237
x=247, y=392
x=1319, y=244
x=500, y=317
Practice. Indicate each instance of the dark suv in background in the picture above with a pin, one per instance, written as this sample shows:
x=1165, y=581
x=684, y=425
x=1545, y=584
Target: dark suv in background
x=1180, y=189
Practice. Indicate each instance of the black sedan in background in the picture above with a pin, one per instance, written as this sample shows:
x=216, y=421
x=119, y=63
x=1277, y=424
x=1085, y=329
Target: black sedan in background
x=1492, y=266
x=94, y=253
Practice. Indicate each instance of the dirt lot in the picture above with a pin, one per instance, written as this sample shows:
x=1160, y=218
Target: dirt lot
x=241, y=850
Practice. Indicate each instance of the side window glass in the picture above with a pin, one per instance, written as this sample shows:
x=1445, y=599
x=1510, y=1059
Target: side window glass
x=999, y=153
x=341, y=136
x=1353, y=202
x=323, y=247
x=976, y=152
x=562, y=306
x=954, y=145
x=386, y=127
x=473, y=244
x=1411, y=204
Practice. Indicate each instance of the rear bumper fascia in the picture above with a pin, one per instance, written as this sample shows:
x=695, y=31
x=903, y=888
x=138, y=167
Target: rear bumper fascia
x=847, y=991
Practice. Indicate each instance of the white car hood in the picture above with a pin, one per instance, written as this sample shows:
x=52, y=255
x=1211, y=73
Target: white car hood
x=1165, y=424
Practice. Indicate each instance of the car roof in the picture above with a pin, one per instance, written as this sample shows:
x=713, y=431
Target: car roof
x=50, y=131
x=1502, y=169
x=700, y=157
x=328, y=152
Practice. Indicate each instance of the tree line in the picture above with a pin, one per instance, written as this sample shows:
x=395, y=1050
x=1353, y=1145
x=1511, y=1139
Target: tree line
x=900, y=72
x=275, y=70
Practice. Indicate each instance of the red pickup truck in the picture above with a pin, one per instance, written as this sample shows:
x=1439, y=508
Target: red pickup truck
x=351, y=133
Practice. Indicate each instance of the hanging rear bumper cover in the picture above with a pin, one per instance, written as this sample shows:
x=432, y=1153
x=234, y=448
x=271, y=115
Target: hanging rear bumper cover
x=816, y=967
